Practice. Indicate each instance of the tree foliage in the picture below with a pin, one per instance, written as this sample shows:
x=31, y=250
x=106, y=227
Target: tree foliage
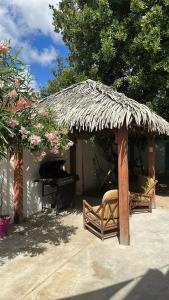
x=63, y=77
x=122, y=43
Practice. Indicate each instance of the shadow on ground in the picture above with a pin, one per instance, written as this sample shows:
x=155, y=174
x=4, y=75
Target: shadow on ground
x=154, y=285
x=32, y=236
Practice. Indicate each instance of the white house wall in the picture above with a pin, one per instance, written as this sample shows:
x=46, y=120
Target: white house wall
x=32, y=201
x=90, y=178
x=6, y=186
x=31, y=190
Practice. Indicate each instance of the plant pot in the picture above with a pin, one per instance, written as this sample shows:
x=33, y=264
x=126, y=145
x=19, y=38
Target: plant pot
x=4, y=222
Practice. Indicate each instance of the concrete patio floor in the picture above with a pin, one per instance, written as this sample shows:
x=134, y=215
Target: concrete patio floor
x=53, y=257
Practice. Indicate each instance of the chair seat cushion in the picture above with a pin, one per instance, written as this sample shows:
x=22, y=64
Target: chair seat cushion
x=140, y=199
x=96, y=220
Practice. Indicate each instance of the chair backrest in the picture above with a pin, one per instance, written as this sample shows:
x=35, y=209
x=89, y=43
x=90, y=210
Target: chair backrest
x=146, y=185
x=110, y=203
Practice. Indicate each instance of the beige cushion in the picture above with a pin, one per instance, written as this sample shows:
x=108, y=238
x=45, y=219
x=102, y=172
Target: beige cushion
x=93, y=218
x=109, y=195
x=110, y=201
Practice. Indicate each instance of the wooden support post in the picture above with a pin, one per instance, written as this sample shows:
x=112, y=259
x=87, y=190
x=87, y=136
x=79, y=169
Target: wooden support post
x=151, y=160
x=18, y=186
x=73, y=162
x=123, y=186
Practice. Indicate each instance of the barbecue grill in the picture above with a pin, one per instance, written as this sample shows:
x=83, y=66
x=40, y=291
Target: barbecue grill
x=58, y=186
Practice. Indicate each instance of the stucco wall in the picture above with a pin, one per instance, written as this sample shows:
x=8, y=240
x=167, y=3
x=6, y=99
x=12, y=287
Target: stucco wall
x=31, y=190
x=32, y=201
x=6, y=186
x=91, y=166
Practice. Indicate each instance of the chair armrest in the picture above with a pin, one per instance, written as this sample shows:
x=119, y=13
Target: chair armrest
x=139, y=195
x=135, y=195
x=86, y=204
x=90, y=208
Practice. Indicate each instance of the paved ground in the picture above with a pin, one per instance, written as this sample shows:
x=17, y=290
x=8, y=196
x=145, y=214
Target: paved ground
x=52, y=257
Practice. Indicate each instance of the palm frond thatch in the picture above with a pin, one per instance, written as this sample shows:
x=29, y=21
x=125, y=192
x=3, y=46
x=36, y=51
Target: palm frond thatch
x=91, y=105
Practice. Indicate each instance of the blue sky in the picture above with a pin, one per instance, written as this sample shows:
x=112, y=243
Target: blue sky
x=42, y=72
x=28, y=24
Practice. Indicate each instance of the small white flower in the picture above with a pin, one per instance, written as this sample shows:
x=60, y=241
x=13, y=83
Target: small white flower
x=1, y=84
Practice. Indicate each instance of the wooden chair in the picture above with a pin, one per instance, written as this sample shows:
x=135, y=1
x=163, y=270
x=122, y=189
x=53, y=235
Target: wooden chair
x=102, y=220
x=141, y=201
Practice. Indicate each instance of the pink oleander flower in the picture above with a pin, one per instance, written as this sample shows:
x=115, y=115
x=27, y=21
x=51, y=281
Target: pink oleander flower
x=39, y=126
x=43, y=154
x=13, y=94
x=12, y=135
x=54, y=150
x=17, y=82
x=51, y=137
x=24, y=137
x=13, y=123
x=23, y=130
x=35, y=139
x=40, y=156
x=43, y=113
x=24, y=133
x=70, y=144
x=23, y=101
x=67, y=147
x=3, y=47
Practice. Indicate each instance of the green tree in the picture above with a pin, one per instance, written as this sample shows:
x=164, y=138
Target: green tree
x=123, y=43
x=63, y=77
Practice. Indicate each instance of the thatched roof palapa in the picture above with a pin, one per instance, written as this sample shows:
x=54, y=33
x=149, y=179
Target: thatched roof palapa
x=91, y=105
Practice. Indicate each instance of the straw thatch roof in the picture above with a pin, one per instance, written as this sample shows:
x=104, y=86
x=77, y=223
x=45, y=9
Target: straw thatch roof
x=91, y=105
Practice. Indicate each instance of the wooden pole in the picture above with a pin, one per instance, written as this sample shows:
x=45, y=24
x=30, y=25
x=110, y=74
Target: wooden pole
x=151, y=161
x=123, y=186
x=18, y=186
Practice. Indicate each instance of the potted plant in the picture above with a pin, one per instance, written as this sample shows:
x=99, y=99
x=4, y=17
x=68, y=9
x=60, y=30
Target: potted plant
x=4, y=219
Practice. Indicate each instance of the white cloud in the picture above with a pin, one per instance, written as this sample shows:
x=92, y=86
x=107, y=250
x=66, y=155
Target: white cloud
x=22, y=20
x=33, y=55
x=29, y=16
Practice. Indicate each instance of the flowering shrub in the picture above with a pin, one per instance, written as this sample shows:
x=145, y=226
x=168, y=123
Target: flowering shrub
x=24, y=125
x=15, y=81
x=38, y=131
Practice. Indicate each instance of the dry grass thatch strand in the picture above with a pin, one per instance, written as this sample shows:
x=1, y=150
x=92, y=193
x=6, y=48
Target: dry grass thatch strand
x=91, y=105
